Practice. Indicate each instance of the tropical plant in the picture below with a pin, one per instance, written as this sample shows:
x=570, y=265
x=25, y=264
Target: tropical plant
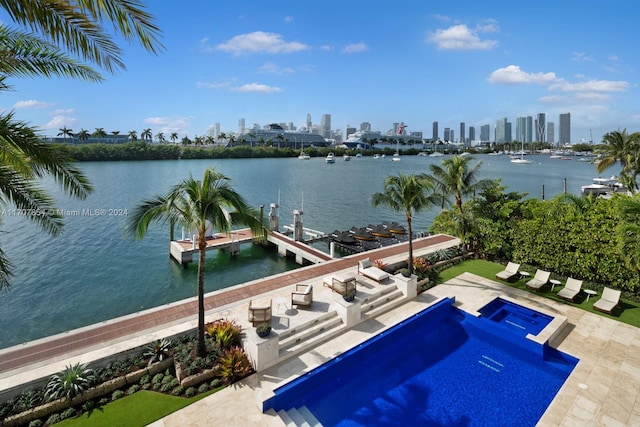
x=132, y=135
x=226, y=333
x=234, y=365
x=70, y=382
x=146, y=134
x=65, y=132
x=173, y=137
x=99, y=133
x=619, y=146
x=83, y=135
x=197, y=205
x=409, y=194
x=457, y=177
x=629, y=231
x=158, y=350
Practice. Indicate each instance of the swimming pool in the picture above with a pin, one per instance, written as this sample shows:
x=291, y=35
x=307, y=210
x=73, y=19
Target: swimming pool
x=439, y=367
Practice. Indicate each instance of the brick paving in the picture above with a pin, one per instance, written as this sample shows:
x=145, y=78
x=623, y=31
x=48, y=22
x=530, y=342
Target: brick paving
x=30, y=353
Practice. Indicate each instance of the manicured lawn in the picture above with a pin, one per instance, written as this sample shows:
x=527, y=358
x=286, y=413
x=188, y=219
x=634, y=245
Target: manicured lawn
x=629, y=312
x=138, y=409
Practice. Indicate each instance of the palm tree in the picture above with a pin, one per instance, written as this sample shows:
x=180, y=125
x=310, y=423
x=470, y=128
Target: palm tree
x=133, y=135
x=160, y=137
x=197, y=205
x=83, y=135
x=409, y=194
x=146, y=134
x=64, y=132
x=456, y=176
x=56, y=38
x=625, y=148
x=173, y=137
x=99, y=133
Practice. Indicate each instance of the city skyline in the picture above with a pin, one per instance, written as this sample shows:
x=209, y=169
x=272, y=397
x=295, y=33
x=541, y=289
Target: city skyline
x=455, y=62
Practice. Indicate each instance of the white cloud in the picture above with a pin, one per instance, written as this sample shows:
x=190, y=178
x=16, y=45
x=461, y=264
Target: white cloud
x=63, y=112
x=211, y=85
x=512, y=74
x=288, y=19
x=271, y=68
x=256, y=88
x=581, y=56
x=168, y=125
x=593, y=97
x=326, y=47
x=31, y=103
x=257, y=42
x=461, y=37
x=355, y=48
x=553, y=99
x=591, y=86
x=60, y=121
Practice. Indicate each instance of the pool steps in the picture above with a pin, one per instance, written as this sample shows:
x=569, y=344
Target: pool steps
x=299, y=417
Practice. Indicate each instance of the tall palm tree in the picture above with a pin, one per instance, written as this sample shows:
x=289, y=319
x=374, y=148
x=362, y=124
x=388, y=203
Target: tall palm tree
x=160, y=137
x=173, y=137
x=99, y=133
x=456, y=176
x=619, y=146
x=146, y=134
x=65, y=132
x=133, y=135
x=83, y=135
x=197, y=205
x=409, y=194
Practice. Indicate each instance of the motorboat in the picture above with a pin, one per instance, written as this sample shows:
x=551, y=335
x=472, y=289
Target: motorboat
x=603, y=187
x=396, y=157
x=346, y=157
x=330, y=158
x=436, y=154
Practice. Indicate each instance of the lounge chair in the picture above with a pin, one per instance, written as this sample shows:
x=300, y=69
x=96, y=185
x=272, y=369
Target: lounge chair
x=340, y=284
x=510, y=271
x=366, y=268
x=571, y=289
x=539, y=280
x=259, y=312
x=609, y=301
x=302, y=296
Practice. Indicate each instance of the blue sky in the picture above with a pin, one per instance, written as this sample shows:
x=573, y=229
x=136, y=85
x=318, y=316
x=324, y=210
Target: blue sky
x=379, y=62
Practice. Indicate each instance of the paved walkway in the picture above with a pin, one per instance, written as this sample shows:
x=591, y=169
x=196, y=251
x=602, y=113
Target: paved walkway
x=91, y=341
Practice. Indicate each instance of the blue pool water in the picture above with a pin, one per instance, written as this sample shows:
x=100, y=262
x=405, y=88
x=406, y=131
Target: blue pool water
x=514, y=317
x=441, y=367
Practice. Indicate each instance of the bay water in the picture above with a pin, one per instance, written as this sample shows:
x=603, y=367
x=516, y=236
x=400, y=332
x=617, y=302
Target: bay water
x=95, y=271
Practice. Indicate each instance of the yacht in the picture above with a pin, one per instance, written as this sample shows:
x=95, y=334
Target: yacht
x=330, y=158
x=303, y=156
x=603, y=187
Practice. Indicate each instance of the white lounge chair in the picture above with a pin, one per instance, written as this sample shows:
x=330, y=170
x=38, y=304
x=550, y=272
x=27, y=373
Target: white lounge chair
x=609, y=301
x=366, y=268
x=539, y=280
x=571, y=289
x=510, y=271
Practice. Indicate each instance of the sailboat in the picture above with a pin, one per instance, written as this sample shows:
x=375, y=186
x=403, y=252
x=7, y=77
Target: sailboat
x=521, y=160
x=303, y=155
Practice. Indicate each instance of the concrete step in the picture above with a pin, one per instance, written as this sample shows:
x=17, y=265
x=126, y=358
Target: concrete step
x=297, y=418
x=312, y=336
x=309, y=417
x=382, y=304
x=300, y=328
x=286, y=419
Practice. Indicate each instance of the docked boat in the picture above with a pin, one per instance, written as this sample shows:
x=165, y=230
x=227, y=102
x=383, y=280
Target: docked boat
x=603, y=187
x=330, y=158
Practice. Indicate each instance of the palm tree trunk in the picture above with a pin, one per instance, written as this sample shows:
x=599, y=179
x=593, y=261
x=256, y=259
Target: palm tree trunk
x=410, y=244
x=202, y=246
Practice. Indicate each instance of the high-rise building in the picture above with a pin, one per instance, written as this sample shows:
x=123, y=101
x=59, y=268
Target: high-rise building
x=365, y=127
x=309, y=123
x=325, y=125
x=349, y=131
x=241, y=127
x=541, y=129
x=501, y=130
x=551, y=133
x=447, y=135
x=463, y=134
x=528, y=130
x=521, y=129
x=472, y=134
x=434, y=134
x=485, y=133
x=564, y=130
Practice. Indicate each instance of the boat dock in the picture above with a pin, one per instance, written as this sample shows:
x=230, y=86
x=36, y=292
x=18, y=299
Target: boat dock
x=183, y=251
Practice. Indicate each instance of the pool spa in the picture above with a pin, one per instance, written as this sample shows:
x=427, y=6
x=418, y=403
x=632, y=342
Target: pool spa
x=440, y=367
